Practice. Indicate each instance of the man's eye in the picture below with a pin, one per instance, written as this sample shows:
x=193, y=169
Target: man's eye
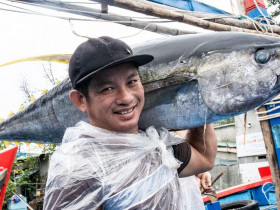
x=132, y=82
x=107, y=90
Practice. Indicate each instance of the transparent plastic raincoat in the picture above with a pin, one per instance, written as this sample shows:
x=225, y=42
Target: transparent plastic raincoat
x=95, y=167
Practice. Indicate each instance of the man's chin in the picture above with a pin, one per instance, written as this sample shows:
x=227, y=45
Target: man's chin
x=127, y=128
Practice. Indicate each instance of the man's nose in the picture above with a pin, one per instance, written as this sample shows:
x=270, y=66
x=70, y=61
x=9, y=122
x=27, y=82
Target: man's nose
x=124, y=97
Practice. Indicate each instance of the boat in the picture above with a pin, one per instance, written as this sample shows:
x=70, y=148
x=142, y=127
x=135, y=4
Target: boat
x=258, y=194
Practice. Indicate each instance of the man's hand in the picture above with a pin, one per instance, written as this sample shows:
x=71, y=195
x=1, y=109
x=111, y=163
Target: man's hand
x=205, y=180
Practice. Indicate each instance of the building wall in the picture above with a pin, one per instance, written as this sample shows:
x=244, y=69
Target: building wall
x=252, y=124
x=228, y=161
x=225, y=132
x=231, y=176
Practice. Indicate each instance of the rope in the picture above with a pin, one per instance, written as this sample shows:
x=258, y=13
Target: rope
x=271, y=110
x=268, y=117
x=271, y=116
x=204, y=130
x=263, y=16
x=272, y=103
x=264, y=192
x=256, y=23
x=245, y=128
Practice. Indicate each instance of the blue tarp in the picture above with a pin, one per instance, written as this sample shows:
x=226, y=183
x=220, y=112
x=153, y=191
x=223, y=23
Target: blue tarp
x=255, y=13
x=191, y=5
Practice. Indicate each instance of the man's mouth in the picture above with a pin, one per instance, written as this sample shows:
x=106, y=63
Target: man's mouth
x=125, y=111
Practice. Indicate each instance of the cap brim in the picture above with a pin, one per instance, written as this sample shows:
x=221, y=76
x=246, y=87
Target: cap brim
x=138, y=60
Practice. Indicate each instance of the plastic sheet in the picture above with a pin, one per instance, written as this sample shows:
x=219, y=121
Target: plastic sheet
x=95, y=167
x=191, y=192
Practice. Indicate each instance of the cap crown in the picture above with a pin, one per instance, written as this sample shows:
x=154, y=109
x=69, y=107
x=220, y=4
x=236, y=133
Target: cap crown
x=95, y=54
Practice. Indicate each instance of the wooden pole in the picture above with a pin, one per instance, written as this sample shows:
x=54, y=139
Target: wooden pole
x=94, y=13
x=271, y=155
x=222, y=19
x=142, y=7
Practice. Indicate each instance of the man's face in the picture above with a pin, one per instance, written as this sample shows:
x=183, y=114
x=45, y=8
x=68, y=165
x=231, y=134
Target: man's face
x=116, y=99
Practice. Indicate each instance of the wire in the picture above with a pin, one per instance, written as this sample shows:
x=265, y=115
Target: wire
x=77, y=2
x=141, y=30
x=17, y=7
x=79, y=19
x=41, y=14
x=98, y=14
x=17, y=11
x=74, y=32
x=27, y=11
x=79, y=10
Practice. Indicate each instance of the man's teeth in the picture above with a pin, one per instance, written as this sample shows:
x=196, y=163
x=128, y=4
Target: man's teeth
x=125, y=112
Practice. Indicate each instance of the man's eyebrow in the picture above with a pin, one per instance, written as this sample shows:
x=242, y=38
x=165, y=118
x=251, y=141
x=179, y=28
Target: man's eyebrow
x=104, y=82
x=101, y=82
x=133, y=75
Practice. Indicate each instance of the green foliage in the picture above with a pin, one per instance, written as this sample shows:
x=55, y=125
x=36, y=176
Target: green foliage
x=49, y=150
x=26, y=172
x=225, y=122
x=9, y=193
x=275, y=4
x=30, y=163
x=2, y=145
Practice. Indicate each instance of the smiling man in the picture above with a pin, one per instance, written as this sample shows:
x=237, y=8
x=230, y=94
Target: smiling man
x=108, y=163
x=116, y=100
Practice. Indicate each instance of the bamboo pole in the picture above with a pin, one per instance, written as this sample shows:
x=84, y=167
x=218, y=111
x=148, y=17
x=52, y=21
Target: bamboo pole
x=232, y=21
x=271, y=155
x=89, y=12
x=222, y=19
x=142, y=7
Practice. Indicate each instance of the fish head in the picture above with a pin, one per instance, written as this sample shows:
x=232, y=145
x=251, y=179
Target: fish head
x=238, y=75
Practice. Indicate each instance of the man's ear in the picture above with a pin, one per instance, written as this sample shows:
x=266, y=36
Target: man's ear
x=78, y=99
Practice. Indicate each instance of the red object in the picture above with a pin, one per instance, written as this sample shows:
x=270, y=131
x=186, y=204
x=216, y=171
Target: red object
x=250, y=5
x=239, y=188
x=264, y=171
x=7, y=157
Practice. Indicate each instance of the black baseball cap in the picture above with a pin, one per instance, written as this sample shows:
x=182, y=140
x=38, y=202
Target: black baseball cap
x=97, y=54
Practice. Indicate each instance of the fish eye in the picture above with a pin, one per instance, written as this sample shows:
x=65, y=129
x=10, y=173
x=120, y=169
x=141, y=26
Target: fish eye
x=262, y=56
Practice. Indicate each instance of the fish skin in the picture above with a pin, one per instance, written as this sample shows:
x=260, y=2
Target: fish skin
x=203, y=78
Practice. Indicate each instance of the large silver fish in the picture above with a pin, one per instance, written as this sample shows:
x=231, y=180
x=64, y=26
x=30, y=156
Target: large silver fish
x=194, y=79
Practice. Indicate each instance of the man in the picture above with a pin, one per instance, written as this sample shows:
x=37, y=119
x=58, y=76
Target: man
x=109, y=163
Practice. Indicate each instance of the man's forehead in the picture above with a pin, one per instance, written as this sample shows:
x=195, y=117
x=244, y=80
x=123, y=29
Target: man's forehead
x=124, y=71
